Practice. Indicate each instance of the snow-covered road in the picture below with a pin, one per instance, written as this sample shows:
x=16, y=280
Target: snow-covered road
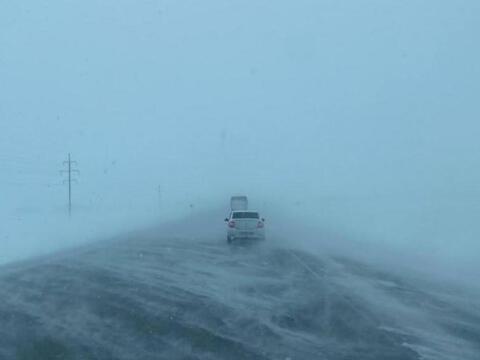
x=154, y=296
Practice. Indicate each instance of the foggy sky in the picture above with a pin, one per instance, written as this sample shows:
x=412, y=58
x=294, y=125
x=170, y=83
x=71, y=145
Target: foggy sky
x=363, y=113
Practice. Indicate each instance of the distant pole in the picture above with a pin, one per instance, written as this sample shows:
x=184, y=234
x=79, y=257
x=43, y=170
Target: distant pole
x=69, y=185
x=191, y=209
x=69, y=171
x=159, y=197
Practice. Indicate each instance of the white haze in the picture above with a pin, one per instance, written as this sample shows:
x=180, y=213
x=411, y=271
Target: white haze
x=358, y=119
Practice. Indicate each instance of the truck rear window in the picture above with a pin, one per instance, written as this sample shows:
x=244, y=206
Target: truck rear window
x=245, y=215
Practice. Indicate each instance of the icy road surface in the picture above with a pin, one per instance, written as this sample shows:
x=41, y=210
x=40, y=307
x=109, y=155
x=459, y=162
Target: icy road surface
x=154, y=297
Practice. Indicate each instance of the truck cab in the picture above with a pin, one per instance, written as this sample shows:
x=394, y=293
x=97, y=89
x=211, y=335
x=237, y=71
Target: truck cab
x=238, y=203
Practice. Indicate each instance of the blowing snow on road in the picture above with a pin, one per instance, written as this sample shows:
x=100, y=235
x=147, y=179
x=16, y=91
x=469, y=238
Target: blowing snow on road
x=154, y=296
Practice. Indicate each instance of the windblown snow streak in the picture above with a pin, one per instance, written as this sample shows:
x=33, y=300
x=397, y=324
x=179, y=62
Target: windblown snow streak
x=183, y=298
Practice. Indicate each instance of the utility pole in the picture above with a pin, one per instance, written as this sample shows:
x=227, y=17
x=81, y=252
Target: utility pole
x=69, y=172
x=159, y=197
x=191, y=206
